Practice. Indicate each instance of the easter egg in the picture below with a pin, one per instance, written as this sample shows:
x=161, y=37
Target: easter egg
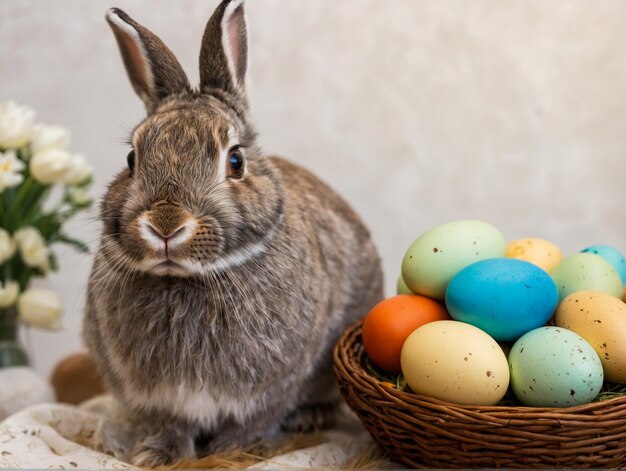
x=600, y=319
x=554, y=367
x=611, y=255
x=586, y=271
x=504, y=297
x=455, y=362
x=390, y=322
x=541, y=252
x=435, y=257
x=401, y=287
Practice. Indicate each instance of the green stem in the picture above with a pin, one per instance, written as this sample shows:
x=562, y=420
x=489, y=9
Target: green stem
x=24, y=153
x=24, y=278
x=22, y=194
x=7, y=272
x=8, y=324
x=7, y=199
x=32, y=207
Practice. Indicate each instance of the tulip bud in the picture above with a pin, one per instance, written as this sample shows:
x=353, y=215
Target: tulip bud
x=49, y=137
x=33, y=248
x=8, y=293
x=50, y=166
x=7, y=246
x=40, y=308
x=16, y=125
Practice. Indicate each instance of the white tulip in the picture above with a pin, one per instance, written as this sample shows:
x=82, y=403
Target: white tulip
x=16, y=124
x=7, y=246
x=78, y=170
x=33, y=248
x=10, y=170
x=50, y=166
x=8, y=293
x=49, y=137
x=40, y=308
x=79, y=196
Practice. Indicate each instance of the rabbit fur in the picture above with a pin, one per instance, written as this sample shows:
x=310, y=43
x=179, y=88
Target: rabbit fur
x=219, y=289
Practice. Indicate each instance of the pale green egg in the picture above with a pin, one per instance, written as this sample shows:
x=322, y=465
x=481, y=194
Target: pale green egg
x=554, y=367
x=401, y=287
x=436, y=256
x=586, y=271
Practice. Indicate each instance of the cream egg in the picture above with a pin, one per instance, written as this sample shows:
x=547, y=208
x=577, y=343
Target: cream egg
x=455, y=362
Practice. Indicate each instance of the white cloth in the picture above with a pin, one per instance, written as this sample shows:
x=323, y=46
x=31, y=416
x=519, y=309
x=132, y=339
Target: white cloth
x=53, y=436
x=59, y=436
x=21, y=387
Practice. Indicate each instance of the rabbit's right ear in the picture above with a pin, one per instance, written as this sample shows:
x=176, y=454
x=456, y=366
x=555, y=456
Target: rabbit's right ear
x=224, y=50
x=152, y=68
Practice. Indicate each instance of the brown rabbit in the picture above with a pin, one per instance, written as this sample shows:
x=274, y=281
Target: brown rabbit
x=224, y=277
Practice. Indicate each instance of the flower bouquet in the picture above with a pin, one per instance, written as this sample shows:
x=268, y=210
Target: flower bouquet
x=34, y=161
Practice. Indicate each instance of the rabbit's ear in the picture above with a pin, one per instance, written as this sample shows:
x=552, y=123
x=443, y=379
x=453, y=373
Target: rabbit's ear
x=224, y=51
x=152, y=68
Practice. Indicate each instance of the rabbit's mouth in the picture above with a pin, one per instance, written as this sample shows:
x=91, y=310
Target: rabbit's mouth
x=168, y=267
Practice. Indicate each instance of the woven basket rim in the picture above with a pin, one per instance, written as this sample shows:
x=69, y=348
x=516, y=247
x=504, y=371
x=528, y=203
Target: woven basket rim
x=349, y=366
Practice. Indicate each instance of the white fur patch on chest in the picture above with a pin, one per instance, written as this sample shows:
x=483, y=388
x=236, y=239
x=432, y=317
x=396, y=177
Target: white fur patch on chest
x=198, y=405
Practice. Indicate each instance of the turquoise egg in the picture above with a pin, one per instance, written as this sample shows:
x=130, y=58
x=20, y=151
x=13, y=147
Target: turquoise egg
x=554, y=367
x=611, y=255
x=505, y=297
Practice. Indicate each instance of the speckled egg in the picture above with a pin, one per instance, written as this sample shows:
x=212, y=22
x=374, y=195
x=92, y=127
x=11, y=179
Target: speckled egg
x=504, y=297
x=541, y=252
x=600, y=319
x=586, y=271
x=611, y=255
x=455, y=362
x=401, y=287
x=554, y=367
x=435, y=257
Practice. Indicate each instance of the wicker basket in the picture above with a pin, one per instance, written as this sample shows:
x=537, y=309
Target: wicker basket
x=423, y=432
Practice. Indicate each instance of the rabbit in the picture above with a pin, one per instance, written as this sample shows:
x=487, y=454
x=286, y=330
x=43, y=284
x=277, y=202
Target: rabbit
x=224, y=277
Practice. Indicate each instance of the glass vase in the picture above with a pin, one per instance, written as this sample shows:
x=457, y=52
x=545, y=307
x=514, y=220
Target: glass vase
x=12, y=351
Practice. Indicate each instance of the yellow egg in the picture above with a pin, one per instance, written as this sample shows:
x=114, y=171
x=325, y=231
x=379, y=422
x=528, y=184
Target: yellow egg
x=600, y=319
x=455, y=362
x=541, y=252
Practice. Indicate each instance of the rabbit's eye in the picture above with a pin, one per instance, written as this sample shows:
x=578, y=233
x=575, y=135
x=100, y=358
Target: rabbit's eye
x=130, y=158
x=235, y=163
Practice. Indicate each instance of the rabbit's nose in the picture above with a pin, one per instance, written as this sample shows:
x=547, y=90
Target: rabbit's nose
x=166, y=235
x=161, y=238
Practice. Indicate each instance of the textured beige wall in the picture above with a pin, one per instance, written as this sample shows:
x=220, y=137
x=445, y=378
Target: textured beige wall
x=418, y=112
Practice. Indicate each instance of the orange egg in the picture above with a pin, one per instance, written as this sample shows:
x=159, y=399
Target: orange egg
x=391, y=321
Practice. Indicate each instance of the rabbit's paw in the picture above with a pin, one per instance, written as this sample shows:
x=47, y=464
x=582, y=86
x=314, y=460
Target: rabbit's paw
x=309, y=418
x=162, y=449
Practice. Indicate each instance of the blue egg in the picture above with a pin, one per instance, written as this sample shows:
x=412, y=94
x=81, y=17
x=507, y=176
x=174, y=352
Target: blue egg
x=505, y=297
x=611, y=255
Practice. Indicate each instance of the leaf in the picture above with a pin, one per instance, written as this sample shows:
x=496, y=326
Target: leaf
x=86, y=182
x=49, y=225
x=54, y=264
x=77, y=244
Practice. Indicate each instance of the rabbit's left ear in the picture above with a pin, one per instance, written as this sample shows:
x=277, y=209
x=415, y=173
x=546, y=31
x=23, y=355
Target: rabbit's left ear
x=224, y=51
x=152, y=68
